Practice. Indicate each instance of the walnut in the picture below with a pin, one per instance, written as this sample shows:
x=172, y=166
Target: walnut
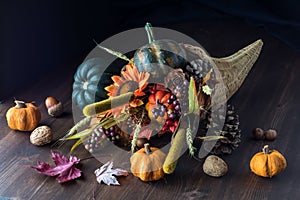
x=41, y=135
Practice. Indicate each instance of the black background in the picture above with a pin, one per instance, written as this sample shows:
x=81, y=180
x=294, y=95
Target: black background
x=45, y=37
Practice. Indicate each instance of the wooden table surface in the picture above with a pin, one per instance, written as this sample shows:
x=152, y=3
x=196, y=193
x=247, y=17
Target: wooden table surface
x=269, y=98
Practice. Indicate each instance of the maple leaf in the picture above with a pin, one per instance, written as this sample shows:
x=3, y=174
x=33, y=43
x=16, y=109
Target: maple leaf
x=105, y=174
x=65, y=168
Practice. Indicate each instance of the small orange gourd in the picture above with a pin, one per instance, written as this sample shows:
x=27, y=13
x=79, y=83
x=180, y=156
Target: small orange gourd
x=147, y=163
x=267, y=163
x=160, y=97
x=23, y=116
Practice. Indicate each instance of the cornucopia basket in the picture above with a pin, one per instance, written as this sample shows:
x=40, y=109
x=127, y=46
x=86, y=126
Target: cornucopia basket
x=159, y=98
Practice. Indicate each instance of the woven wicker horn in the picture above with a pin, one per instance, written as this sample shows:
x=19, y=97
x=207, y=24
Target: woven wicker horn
x=233, y=69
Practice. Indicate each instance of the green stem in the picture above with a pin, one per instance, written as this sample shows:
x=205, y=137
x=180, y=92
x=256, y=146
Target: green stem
x=149, y=31
x=77, y=143
x=79, y=135
x=107, y=104
x=111, y=121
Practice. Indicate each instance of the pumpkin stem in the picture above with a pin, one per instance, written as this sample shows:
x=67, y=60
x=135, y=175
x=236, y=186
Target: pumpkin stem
x=20, y=104
x=266, y=149
x=149, y=31
x=147, y=148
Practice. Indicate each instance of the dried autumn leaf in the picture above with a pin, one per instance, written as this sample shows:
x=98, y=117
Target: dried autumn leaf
x=207, y=77
x=65, y=168
x=105, y=174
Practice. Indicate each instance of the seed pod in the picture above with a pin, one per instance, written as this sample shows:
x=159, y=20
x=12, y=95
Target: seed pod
x=176, y=150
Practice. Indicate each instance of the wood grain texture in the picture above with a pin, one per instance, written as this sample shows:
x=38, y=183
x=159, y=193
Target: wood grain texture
x=268, y=98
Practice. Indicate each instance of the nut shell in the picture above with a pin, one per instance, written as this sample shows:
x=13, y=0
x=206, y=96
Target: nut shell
x=270, y=134
x=258, y=134
x=215, y=166
x=41, y=135
x=56, y=110
x=50, y=101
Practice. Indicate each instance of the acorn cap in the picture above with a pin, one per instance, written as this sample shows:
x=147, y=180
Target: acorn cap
x=56, y=110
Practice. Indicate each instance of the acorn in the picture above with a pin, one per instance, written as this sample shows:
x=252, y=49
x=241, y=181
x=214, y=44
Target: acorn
x=55, y=107
x=270, y=134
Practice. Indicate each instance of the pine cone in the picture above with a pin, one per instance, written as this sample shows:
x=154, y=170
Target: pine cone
x=199, y=67
x=230, y=131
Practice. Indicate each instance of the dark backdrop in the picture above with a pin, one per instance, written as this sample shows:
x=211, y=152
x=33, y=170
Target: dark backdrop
x=42, y=37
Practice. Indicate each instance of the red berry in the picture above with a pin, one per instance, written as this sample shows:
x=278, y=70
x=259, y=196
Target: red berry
x=165, y=128
x=169, y=122
x=176, y=123
x=172, y=129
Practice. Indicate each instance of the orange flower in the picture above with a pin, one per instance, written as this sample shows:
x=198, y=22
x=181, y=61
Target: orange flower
x=131, y=81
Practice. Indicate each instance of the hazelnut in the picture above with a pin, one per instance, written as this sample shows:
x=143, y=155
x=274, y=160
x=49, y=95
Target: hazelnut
x=50, y=101
x=270, y=134
x=55, y=108
x=140, y=142
x=41, y=135
x=215, y=166
x=258, y=133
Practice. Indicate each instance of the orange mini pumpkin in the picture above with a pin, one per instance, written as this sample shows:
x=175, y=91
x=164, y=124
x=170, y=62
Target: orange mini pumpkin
x=23, y=116
x=161, y=97
x=267, y=163
x=147, y=163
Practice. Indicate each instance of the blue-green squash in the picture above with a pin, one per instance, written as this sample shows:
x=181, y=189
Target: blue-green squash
x=159, y=55
x=89, y=83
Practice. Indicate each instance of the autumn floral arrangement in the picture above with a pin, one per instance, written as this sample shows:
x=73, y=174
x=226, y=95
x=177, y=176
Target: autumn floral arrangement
x=159, y=98
x=161, y=103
